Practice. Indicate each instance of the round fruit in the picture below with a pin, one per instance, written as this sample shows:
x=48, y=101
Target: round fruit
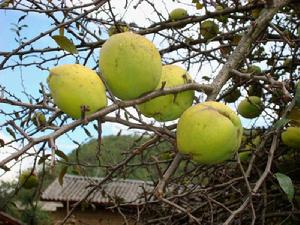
x=178, y=14
x=119, y=28
x=223, y=19
x=232, y=96
x=291, y=137
x=294, y=116
x=39, y=119
x=74, y=87
x=254, y=69
x=131, y=65
x=169, y=107
x=250, y=107
x=28, y=180
x=209, y=29
x=210, y=132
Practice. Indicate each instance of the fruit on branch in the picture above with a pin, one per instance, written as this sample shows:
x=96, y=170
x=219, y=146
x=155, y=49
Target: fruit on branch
x=178, y=14
x=169, y=107
x=250, y=107
x=39, y=119
x=291, y=137
x=76, y=89
x=209, y=29
x=232, y=95
x=117, y=28
x=28, y=180
x=223, y=18
x=131, y=65
x=210, y=132
x=255, y=70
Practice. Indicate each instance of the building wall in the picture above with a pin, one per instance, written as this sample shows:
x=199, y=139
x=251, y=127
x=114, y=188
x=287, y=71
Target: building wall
x=89, y=217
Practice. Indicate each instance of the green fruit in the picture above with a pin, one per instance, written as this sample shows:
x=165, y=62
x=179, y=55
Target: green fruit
x=74, y=86
x=28, y=180
x=209, y=29
x=39, y=119
x=254, y=69
x=119, y=28
x=250, y=107
x=178, y=14
x=294, y=116
x=291, y=137
x=232, y=96
x=210, y=132
x=223, y=19
x=131, y=65
x=169, y=107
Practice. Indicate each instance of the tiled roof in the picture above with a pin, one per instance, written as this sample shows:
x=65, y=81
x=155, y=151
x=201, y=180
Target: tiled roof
x=75, y=188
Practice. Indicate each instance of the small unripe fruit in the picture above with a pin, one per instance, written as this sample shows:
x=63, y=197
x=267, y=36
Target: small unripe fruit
x=39, y=119
x=74, y=87
x=169, y=107
x=254, y=69
x=291, y=137
x=209, y=29
x=131, y=65
x=28, y=180
x=250, y=107
x=178, y=14
x=223, y=18
x=210, y=132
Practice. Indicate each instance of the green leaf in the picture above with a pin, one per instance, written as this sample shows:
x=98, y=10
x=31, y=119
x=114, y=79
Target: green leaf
x=286, y=184
x=65, y=43
x=297, y=96
x=62, y=173
x=62, y=155
x=280, y=123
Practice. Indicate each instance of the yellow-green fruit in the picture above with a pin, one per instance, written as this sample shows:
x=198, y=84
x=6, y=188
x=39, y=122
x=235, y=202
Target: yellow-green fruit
x=250, y=107
x=223, y=19
x=169, y=107
x=39, y=119
x=178, y=14
x=210, y=132
x=254, y=69
x=131, y=65
x=74, y=87
x=294, y=116
x=28, y=180
x=120, y=28
x=291, y=137
x=209, y=29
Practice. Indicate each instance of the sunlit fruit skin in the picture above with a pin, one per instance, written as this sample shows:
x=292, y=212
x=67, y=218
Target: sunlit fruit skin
x=178, y=14
x=130, y=64
x=73, y=86
x=169, y=107
x=209, y=29
x=250, y=107
x=209, y=132
x=291, y=137
x=28, y=180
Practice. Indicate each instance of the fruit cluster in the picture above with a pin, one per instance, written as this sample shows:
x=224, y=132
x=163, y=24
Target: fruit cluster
x=131, y=66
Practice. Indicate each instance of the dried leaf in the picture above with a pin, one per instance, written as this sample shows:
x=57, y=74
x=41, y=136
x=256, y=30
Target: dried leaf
x=65, y=43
